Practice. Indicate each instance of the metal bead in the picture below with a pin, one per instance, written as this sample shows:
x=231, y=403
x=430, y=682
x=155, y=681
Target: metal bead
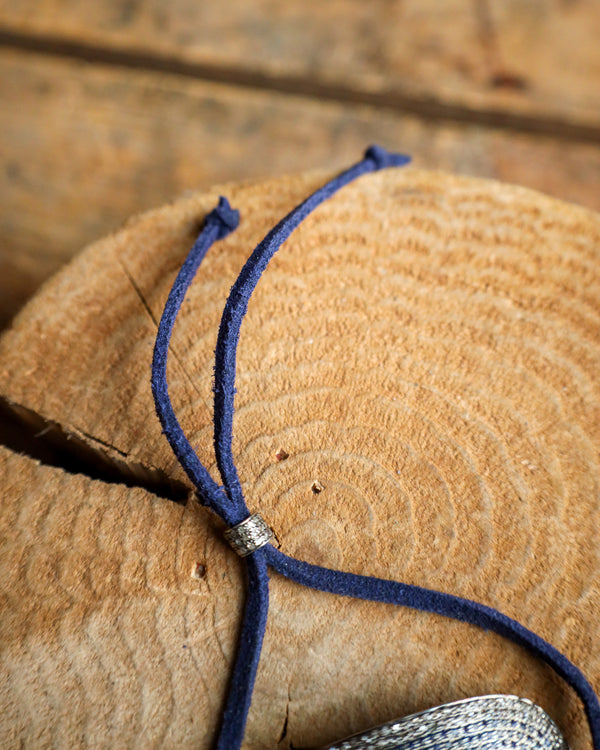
x=249, y=535
x=488, y=721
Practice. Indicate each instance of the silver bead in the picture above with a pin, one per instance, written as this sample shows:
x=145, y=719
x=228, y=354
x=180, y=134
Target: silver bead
x=249, y=535
x=488, y=721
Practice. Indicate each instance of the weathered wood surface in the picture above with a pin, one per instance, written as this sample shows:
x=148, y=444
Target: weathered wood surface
x=85, y=146
x=535, y=58
x=426, y=347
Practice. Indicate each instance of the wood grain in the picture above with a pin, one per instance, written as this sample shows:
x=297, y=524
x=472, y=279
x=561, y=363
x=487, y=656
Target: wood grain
x=537, y=59
x=85, y=146
x=107, y=638
x=426, y=348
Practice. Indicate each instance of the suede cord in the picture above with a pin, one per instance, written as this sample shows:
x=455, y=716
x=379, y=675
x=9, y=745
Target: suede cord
x=228, y=501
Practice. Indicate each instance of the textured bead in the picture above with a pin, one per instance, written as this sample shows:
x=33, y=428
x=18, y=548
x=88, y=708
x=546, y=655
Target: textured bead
x=249, y=535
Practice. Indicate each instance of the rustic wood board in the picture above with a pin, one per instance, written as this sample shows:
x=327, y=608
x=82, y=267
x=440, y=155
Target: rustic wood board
x=85, y=146
x=426, y=347
x=537, y=58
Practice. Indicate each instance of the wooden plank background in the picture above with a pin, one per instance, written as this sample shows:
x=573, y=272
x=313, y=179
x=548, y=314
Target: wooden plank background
x=114, y=107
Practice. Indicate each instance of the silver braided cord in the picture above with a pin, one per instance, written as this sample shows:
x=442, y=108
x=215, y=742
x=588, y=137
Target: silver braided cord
x=489, y=722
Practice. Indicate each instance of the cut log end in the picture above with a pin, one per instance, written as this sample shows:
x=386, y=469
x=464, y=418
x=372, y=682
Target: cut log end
x=417, y=400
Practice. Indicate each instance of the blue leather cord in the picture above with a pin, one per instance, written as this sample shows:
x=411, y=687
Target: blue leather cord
x=229, y=503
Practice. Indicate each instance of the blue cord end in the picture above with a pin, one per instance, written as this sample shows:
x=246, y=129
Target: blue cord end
x=382, y=158
x=225, y=217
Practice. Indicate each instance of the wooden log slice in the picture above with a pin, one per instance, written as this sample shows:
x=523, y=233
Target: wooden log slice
x=417, y=398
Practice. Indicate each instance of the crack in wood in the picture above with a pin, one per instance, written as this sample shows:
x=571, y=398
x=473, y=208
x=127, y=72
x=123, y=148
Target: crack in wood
x=284, y=731
x=24, y=431
x=154, y=320
x=139, y=294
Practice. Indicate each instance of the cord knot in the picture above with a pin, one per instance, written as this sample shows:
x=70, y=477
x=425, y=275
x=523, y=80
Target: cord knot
x=225, y=217
x=383, y=158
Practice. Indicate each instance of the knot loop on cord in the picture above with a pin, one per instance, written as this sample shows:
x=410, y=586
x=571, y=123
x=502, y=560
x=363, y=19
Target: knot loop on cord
x=382, y=158
x=223, y=216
